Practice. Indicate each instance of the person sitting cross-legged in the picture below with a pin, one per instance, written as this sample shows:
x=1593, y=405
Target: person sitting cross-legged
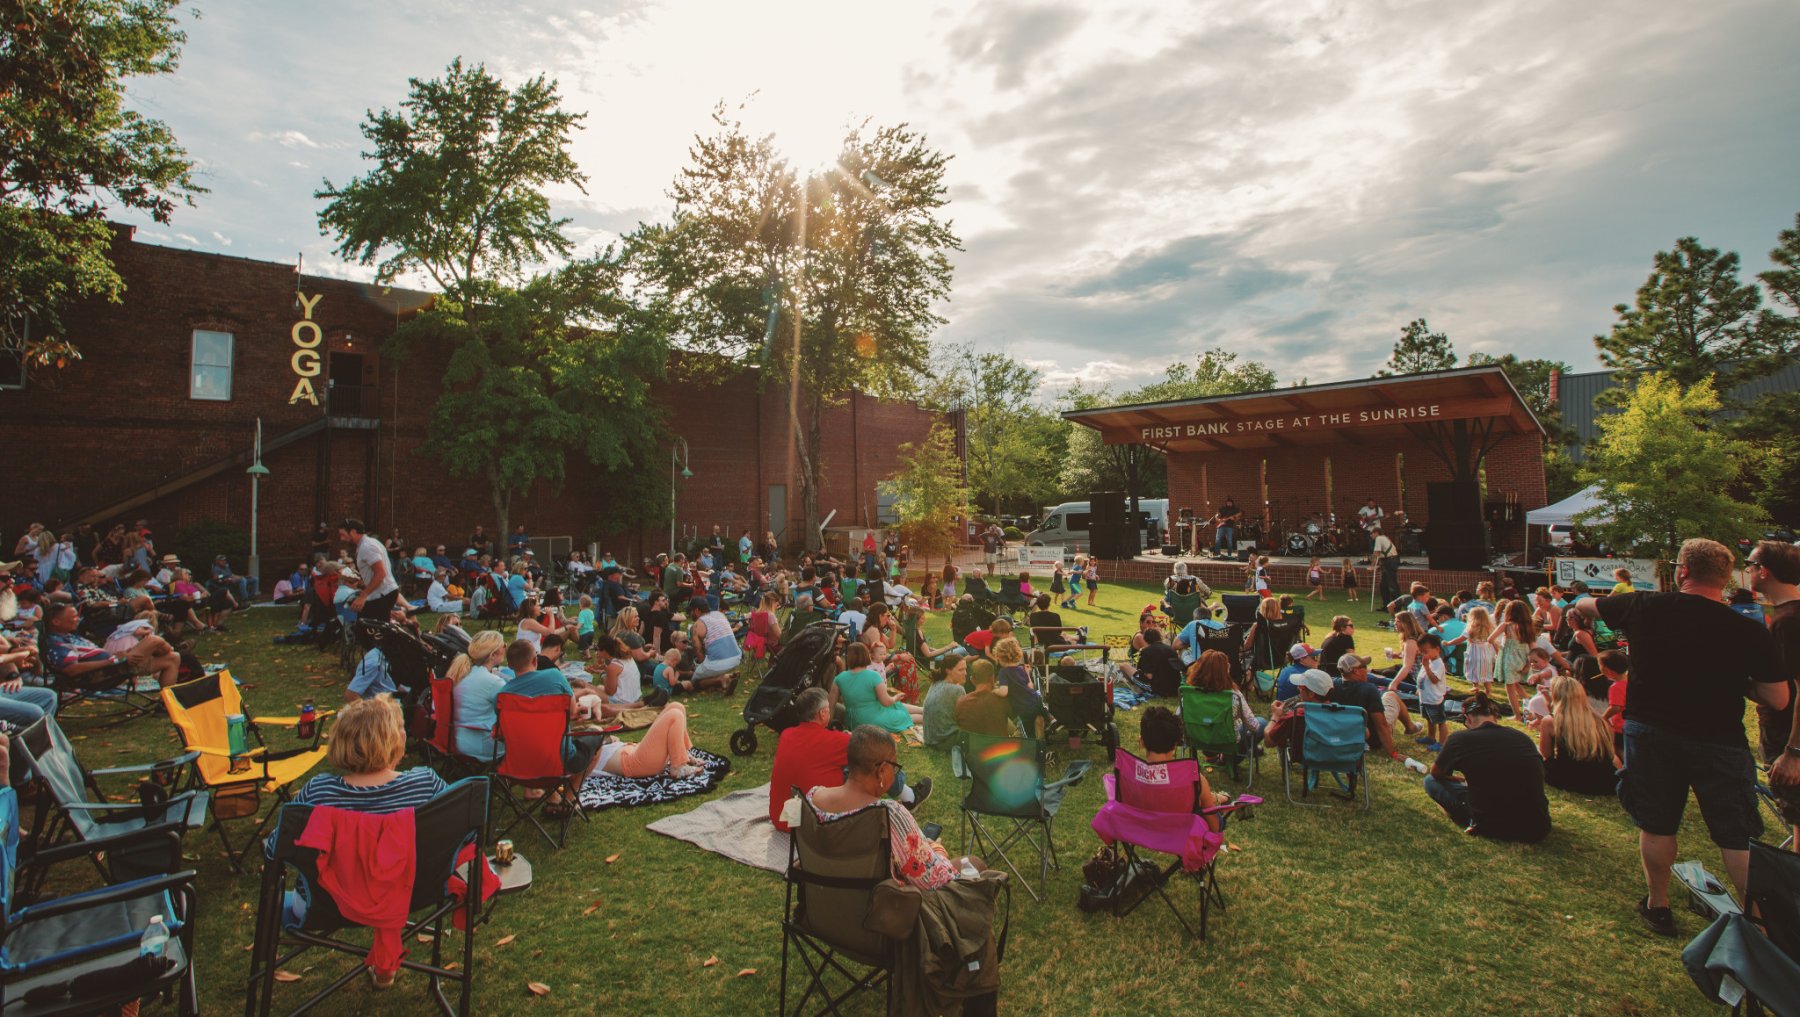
x=1500, y=794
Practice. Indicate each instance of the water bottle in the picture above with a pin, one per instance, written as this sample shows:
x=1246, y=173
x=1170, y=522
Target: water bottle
x=236, y=737
x=309, y=721
x=1416, y=766
x=155, y=941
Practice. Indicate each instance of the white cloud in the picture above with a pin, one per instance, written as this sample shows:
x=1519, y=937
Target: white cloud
x=223, y=240
x=290, y=139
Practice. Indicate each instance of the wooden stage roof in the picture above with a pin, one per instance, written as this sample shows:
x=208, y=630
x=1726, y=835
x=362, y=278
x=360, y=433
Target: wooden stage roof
x=1347, y=412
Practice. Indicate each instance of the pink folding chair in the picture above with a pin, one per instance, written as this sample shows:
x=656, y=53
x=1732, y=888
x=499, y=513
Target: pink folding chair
x=1156, y=807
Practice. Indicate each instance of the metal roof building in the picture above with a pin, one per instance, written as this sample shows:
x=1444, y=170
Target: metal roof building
x=1576, y=395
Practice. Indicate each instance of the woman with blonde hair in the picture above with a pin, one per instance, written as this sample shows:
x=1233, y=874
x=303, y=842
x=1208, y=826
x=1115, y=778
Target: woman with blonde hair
x=367, y=743
x=625, y=621
x=1576, y=744
x=1027, y=704
x=478, y=684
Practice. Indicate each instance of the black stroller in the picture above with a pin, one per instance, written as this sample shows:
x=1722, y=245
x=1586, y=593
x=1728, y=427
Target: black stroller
x=968, y=617
x=413, y=659
x=805, y=661
x=1078, y=695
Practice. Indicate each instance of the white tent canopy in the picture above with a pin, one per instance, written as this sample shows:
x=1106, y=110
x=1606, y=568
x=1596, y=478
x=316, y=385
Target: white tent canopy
x=1564, y=512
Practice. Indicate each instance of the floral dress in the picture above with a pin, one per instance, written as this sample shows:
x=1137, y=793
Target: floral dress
x=916, y=860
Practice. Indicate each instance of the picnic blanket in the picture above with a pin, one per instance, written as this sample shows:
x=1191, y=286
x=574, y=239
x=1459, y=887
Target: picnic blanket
x=607, y=790
x=1126, y=698
x=736, y=826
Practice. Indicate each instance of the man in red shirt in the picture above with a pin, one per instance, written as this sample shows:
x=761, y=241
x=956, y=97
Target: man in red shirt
x=810, y=754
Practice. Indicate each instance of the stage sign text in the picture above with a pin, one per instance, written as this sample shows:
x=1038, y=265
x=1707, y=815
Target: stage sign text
x=1296, y=422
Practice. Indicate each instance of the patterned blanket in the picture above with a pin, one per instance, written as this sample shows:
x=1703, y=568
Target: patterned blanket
x=606, y=791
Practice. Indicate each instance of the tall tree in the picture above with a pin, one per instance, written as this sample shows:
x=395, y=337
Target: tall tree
x=560, y=367
x=1015, y=446
x=458, y=187
x=928, y=494
x=827, y=282
x=1692, y=320
x=70, y=151
x=1419, y=349
x=1666, y=473
x=1767, y=421
x=540, y=367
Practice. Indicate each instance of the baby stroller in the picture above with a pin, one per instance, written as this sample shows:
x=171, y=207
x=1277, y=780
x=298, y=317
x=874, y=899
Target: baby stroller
x=1079, y=696
x=969, y=616
x=412, y=659
x=805, y=661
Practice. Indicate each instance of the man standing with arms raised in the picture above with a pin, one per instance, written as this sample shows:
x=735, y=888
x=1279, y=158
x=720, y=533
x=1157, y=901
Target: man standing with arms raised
x=1693, y=662
x=379, y=590
x=1773, y=571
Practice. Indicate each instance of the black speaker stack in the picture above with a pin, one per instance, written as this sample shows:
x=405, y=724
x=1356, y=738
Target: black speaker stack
x=1109, y=530
x=1457, y=537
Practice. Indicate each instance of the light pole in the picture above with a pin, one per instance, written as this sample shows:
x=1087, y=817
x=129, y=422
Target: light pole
x=683, y=458
x=257, y=471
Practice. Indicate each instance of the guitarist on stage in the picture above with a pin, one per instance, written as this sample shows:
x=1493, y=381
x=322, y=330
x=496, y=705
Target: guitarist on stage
x=1370, y=517
x=1226, y=519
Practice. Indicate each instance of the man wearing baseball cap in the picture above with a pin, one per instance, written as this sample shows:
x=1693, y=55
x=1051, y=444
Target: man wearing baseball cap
x=1381, y=709
x=1500, y=794
x=1287, y=723
x=1301, y=657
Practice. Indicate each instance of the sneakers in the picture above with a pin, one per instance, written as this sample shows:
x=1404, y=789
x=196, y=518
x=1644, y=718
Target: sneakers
x=921, y=790
x=1660, y=920
x=1435, y=746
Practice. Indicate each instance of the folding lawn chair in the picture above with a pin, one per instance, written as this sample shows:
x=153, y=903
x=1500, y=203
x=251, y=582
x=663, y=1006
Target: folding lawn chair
x=977, y=587
x=199, y=710
x=448, y=832
x=833, y=869
x=533, y=728
x=1210, y=722
x=1751, y=964
x=1006, y=785
x=1334, y=741
x=114, y=685
x=1012, y=594
x=1269, y=652
x=1180, y=608
x=1156, y=806
x=73, y=808
x=439, y=747
x=78, y=955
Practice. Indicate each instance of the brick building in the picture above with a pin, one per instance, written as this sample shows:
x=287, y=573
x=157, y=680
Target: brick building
x=157, y=421
x=1288, y=453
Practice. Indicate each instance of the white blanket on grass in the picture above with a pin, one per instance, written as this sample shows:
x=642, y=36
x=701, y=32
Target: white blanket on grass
x=736, y=826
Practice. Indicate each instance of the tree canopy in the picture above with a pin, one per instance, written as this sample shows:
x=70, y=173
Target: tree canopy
x=1419, y=349
x=70, y=150
x=1015, y=444
x=1692, y=320
x=1665, y=473
x=928, y=496
x=827, y=282
x=457, y=189
x=541, y=366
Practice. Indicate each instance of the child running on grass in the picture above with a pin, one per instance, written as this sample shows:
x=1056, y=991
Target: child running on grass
x=1074, y=584
x=1349, y=568
x=1315, y=578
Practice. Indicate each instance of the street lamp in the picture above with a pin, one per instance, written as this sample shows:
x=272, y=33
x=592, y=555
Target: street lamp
x=682, y=457
x=257, y=471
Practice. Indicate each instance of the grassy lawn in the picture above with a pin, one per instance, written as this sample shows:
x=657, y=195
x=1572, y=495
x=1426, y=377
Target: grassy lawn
x=1387, y=912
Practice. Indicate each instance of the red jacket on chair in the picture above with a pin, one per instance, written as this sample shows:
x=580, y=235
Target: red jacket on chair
x=367, y=863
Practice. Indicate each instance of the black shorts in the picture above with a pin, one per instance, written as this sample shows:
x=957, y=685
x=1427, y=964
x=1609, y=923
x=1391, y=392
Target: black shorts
x=379, y=608
x=1659, y=770
x=578, y=754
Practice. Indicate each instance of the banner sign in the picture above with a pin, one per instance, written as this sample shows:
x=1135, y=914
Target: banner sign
x=1039, y=559
x=307, y=336
x=1598, y=572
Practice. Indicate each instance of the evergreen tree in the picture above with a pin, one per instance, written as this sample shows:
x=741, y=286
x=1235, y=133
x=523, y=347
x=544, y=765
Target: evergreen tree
x=1419, y=349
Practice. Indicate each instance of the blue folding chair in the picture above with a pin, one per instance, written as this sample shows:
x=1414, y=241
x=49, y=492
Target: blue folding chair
x=1334, y=742
x=79, y=954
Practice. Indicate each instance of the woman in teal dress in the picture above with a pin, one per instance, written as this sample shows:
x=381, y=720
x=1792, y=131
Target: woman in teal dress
x=866, y=696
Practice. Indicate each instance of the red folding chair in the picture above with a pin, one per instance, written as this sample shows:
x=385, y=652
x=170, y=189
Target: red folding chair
x=440, y=745
x=1156, y=806
x=533, y=728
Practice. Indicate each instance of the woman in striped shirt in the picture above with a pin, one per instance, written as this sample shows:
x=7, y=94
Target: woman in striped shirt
x=367, y=743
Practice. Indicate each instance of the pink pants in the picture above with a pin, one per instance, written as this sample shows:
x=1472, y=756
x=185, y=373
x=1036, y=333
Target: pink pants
x=665, y=744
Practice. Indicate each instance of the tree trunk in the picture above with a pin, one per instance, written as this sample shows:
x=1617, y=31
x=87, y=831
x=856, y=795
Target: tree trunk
x=806, y=446
x=502, y=511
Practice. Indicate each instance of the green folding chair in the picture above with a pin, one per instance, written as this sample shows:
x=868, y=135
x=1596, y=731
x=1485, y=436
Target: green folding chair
x=1210, y=721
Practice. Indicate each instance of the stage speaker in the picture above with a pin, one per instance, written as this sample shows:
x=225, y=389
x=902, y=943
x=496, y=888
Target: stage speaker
x=1171, y=550
x=1105, y=508
x=1454, y=501
x=1459, y=546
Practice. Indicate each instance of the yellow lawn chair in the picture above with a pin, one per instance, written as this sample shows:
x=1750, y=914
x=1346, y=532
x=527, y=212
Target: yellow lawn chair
x=199, y=709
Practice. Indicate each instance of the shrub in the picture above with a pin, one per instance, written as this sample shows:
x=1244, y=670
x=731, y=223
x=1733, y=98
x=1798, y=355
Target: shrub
x=1014, y=533
x=196, y=545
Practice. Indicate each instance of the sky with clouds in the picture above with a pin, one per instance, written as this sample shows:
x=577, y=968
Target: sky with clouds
x=1293, y=180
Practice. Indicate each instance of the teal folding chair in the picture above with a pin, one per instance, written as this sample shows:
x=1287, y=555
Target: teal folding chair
x=1334, y=742
x=1008, y=804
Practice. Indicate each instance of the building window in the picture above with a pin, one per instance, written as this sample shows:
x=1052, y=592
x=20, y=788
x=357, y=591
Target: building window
x=211, y=378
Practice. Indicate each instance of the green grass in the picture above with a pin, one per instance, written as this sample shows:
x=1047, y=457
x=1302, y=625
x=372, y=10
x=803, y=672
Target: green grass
x=1387, y=912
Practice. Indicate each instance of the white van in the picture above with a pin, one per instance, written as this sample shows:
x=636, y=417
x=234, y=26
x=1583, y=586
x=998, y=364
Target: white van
x=1068, y=523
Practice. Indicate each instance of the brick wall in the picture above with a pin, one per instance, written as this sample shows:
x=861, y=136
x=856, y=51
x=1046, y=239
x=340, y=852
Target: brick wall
x=121, y=421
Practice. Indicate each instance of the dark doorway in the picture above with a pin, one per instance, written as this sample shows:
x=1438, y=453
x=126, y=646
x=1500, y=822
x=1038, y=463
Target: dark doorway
x=345, y=388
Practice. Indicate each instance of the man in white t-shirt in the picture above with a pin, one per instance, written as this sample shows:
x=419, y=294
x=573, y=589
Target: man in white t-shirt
x=437, y=598
x=375, y=602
